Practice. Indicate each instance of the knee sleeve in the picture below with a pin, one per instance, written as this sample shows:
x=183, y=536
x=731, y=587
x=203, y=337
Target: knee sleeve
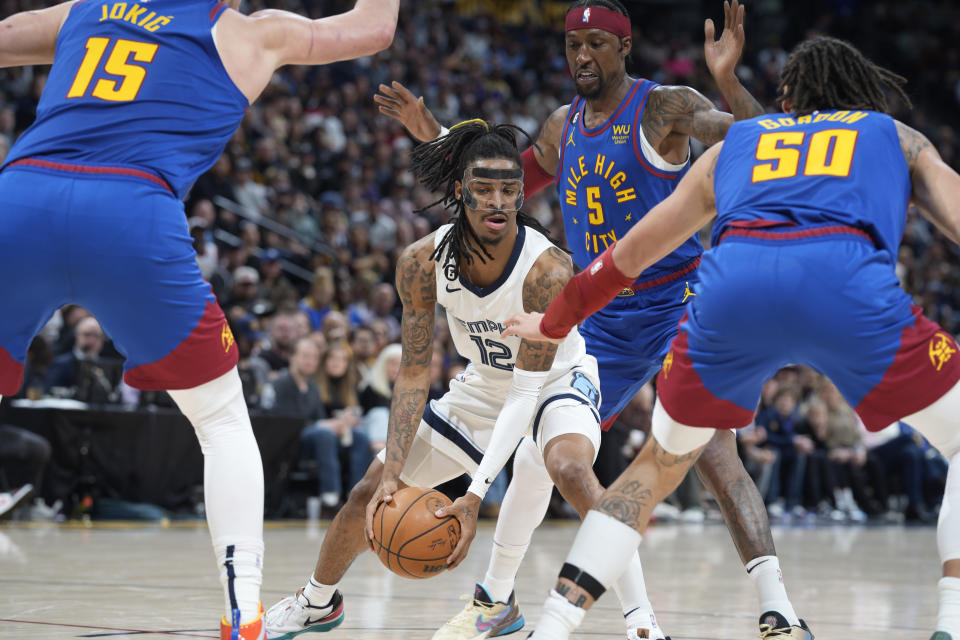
x=677, y=438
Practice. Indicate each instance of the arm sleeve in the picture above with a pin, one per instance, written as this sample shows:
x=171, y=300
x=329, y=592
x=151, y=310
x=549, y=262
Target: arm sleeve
x=586, y=293
x=511, y=424
x=534, y=177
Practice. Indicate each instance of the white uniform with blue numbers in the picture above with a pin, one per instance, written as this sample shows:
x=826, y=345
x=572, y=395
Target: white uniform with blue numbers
x=459, y=425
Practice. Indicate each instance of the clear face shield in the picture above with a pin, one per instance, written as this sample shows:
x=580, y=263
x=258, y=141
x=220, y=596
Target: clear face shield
x=491, y=190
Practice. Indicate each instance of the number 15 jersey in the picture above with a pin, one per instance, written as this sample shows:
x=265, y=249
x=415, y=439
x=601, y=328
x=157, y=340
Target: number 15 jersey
x=137, y=85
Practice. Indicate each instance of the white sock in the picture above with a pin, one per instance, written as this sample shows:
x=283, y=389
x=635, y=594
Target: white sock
x=768, y=581
x=318, y=594
x=521, y=512
x=233, y=487
x=559, y=618
x=948, y=616
x=502, y=573
x=632, y=592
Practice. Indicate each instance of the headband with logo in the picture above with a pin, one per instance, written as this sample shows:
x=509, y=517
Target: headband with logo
x=599, y=18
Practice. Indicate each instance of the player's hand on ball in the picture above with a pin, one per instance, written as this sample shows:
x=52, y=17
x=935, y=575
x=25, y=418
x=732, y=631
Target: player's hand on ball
x=384, y=493
x=397, y=102
x=465, y=510
x=527, y=326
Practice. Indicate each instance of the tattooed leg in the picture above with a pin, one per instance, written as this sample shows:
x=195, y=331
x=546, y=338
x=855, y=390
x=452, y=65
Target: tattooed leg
x=630, y=500
x=344, y=540
x=722, y=473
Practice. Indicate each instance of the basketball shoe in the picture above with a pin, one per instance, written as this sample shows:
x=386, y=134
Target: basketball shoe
x=941, y=635
x=482, y=618
x=295, y=615
x=774, y=625
x=251, y=631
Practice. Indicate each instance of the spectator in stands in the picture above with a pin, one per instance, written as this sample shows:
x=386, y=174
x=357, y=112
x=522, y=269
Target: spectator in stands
x=783, y=426
x=375, y=394
x=245, y=291
x=895, y=460
x=322, y=290
x=820, y=479
x=277, y=287
x=83, y=372
x=294, y=393
x=283, y=334
x=336, y=327
x=364, y=345
x=848, y=456
x=23, y=460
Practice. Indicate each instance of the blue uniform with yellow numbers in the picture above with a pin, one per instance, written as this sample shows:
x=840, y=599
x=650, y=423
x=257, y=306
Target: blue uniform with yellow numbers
x=136, y=106
x=810, y=213
x=609, y=178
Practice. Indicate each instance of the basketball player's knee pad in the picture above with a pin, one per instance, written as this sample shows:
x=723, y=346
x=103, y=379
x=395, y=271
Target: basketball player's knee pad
x=677, y=438
x=937, y=423
x=529, y=470
x=948, y=525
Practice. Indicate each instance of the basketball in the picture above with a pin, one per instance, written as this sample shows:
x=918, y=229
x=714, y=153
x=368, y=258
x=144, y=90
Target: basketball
x=409, y=539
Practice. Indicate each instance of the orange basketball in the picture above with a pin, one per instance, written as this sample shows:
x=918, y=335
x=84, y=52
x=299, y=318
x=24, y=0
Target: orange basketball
x=409, y=539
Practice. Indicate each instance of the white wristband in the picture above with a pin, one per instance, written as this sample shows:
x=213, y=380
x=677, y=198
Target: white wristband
x=443, y=131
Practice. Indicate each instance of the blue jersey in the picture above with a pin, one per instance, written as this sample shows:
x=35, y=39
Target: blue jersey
x=140, y=86
x=609, y=178
x=830, y=167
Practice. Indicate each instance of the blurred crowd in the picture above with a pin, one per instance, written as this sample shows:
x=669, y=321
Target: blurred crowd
x=299, y=224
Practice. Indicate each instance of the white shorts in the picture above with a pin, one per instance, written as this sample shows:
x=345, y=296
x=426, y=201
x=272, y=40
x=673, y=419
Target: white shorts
x=456, y=428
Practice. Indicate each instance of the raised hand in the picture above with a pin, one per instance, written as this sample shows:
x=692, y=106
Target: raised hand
x=722, y=55
x=397, y=102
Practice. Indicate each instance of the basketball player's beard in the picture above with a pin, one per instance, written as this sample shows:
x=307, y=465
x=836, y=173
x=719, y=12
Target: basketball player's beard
x=596, y=92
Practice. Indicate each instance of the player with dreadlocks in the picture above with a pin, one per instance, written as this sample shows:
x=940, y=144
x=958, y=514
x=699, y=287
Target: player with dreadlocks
x=491, y=262
x=612, y=154
x=810, y=210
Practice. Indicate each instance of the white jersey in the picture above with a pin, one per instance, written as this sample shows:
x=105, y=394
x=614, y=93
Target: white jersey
x=476, y=314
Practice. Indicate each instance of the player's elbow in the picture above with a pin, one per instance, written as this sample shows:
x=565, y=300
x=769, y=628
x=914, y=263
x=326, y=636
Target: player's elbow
x=381, y=37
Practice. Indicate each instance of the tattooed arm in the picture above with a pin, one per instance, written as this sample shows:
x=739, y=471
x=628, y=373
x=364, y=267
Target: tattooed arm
x=936, y=187
x=416, y=284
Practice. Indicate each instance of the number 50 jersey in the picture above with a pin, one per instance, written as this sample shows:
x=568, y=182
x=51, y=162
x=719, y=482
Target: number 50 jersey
x=476, y=314
x=151, y=72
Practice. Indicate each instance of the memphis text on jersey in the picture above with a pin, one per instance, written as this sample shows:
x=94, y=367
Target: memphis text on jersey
x=134, y=14
x=609, y=177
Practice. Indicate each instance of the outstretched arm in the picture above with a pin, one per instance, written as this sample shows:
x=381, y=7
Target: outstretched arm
x=661, y=231
x=936, y=187
x=253, y=47
x=546, y=278
x=540, y=162
x=685, y=111
x=30, y=37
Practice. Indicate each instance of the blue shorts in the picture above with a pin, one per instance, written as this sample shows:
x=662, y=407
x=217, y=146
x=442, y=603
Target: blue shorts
x=631, y=335
x=830, y=301
x=115, y=241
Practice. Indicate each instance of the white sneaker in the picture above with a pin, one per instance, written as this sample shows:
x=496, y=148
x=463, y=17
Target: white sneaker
x=9, y=500
x=295, y=615
x=482, y=618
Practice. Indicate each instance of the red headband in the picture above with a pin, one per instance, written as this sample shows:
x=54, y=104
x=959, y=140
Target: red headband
x=599, y=18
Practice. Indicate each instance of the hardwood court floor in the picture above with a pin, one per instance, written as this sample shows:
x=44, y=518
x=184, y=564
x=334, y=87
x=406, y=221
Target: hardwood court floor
x=144, y=582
